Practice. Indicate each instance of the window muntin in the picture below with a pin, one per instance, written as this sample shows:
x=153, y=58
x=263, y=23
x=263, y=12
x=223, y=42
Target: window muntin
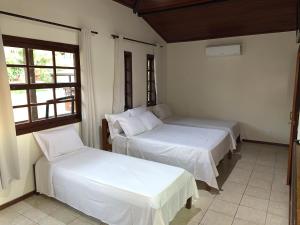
x=128, y=80
x=44, y=93
x=151, y=89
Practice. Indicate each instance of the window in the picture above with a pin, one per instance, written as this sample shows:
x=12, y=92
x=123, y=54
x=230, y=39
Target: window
x=151, y=89
x=128, y=80
x=44, y=81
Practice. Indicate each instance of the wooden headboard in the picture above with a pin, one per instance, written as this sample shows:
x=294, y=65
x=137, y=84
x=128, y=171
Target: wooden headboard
x=105, y=136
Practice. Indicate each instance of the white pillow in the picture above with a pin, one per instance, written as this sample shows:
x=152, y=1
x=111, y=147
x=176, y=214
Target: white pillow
x=162, y=111
x=58, y=141
x=149, y=120
x=137, y=111
x=113, y=124
x=132, y=126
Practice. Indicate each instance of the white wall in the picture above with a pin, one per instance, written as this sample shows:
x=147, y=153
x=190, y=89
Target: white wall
x=104, y=16
x=254, y=88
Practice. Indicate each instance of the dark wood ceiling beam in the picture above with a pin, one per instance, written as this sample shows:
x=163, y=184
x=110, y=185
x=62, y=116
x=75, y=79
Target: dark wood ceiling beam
x=187, y=20
x=170, y=7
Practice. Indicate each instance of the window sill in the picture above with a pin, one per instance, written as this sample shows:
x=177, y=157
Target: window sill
x=46, y=124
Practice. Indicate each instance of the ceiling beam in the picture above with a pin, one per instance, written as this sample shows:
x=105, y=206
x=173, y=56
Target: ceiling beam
x=172, y=8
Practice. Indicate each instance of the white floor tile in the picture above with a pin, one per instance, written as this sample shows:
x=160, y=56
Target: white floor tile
x=276, y=220
x=279, y=208
x=230, y=196
x=256, y=203
x=258, y=192
x=51, y=221
x=221, y=206
x=251, y=215
x=279, y=197
x=35, y=214
x=214, y=218
x=234, y=187
x=260, y=183
x=242, y=222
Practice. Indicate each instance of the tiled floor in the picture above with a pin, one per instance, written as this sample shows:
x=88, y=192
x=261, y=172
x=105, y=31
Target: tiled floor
x=253, y=193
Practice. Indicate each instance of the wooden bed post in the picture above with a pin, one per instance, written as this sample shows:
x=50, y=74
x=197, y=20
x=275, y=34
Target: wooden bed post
x=105, y=136
x=189, y=203
x=34, y=180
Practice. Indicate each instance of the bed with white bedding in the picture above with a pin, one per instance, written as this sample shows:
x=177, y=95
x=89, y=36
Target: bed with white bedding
x=232, y=127
x=163, y=112
x=117, y=189
x=197, y=150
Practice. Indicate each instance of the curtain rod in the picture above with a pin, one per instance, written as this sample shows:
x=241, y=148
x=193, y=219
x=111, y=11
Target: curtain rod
x=67, y=26
x=43, y=21
x=134, y=40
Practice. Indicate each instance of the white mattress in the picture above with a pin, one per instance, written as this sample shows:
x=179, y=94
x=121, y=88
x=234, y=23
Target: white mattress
x=117, y=189
x=230, y=126
x=197, y=150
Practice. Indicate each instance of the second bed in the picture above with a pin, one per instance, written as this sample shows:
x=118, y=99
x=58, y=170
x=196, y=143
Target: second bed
x=197, y=150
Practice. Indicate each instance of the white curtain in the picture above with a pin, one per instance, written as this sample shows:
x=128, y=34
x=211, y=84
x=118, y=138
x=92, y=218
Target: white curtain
x=119, y=77
x=157, y=70
x=9, y=158
x=89, y=124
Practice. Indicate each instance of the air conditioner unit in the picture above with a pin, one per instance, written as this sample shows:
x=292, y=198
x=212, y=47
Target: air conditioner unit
x=224, y=50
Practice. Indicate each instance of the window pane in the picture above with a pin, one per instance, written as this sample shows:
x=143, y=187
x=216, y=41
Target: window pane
x=64, y=108
x=41, y=95
x=21, y=114
x=19, y=97
x=17, y=75
x=65, y=76
x=40, y=57
x=15, y=56
x=64, y=59
x=64, y=92
x=39, y=112
x=39, y=75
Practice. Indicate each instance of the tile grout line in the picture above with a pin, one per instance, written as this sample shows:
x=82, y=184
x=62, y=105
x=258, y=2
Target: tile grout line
x=271, y=189
x=214, y=198
x=242, y=195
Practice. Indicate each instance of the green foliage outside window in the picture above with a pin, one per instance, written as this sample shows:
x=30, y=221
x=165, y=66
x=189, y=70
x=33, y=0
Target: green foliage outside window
x=16, y=56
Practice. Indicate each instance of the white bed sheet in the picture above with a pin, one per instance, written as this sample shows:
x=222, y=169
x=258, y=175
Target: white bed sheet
x=230, y=126
x=197, y=150
x=117, y=189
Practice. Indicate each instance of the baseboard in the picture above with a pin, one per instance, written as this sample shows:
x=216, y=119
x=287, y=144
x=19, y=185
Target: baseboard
x=265, y=143
x=17, y=200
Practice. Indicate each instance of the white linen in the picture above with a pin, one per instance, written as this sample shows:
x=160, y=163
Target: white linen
x=195, y=149
x=132, y=126
x=59, y=141
x=117, y=189
x=113, y=124
x=230, y=126
x=9, y=158
x=149, y=120
x=137, y=111
x=89, y=128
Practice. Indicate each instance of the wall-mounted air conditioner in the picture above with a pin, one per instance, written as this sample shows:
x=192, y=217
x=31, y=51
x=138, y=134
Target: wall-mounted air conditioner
x=224, y=50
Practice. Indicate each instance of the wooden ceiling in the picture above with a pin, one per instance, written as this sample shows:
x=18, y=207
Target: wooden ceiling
x=187, y=20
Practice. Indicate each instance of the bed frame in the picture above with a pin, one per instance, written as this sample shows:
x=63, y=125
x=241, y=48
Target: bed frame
x=104, y=131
